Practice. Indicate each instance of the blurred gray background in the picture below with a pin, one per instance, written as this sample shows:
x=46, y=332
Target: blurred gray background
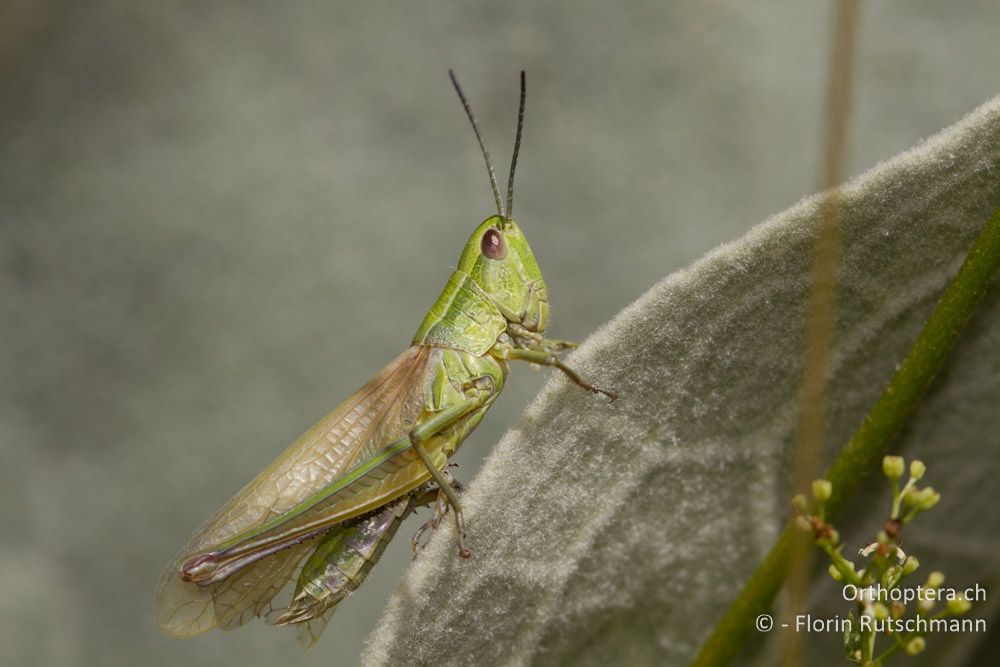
x=218, y=219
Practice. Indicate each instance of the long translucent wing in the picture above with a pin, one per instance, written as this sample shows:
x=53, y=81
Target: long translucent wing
x=380, y=412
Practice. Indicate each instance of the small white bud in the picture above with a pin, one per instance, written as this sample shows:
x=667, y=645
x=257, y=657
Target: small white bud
x=893, y=466
x=959, y=605
x=916, y=645
x=822, y=489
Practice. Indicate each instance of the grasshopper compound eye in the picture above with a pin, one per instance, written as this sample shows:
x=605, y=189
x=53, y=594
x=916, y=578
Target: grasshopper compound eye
x=493, y=245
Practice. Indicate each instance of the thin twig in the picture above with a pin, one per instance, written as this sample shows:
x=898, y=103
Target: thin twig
x=822, y=306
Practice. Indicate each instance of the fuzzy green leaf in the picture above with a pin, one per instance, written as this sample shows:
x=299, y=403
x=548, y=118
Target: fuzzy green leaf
x=605, y=533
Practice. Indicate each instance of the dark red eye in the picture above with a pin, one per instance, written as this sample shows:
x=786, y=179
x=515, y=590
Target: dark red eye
x=493, y=245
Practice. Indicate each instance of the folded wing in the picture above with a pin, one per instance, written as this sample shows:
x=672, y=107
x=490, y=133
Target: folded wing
x=381, y=412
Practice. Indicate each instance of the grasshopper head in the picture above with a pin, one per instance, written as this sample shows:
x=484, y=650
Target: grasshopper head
x=497, y=256
x=499, y=260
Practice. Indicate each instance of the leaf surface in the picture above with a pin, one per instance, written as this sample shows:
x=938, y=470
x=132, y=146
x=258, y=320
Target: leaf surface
x=618, y=533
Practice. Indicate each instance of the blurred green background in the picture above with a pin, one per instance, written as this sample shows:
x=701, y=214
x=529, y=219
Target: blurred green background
x=218, y=219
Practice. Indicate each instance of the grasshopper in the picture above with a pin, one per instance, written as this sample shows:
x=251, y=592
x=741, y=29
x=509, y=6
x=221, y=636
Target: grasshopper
x=339, y=492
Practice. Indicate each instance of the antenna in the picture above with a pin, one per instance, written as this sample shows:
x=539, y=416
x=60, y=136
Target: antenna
x=482, y=144
x=517, y=149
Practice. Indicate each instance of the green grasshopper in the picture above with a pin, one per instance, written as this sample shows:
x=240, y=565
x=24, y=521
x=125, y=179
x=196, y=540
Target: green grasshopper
x=340, y=491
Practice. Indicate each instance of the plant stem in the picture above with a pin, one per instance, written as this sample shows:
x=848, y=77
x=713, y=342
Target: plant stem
x=843, y=566
x=869, y=443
